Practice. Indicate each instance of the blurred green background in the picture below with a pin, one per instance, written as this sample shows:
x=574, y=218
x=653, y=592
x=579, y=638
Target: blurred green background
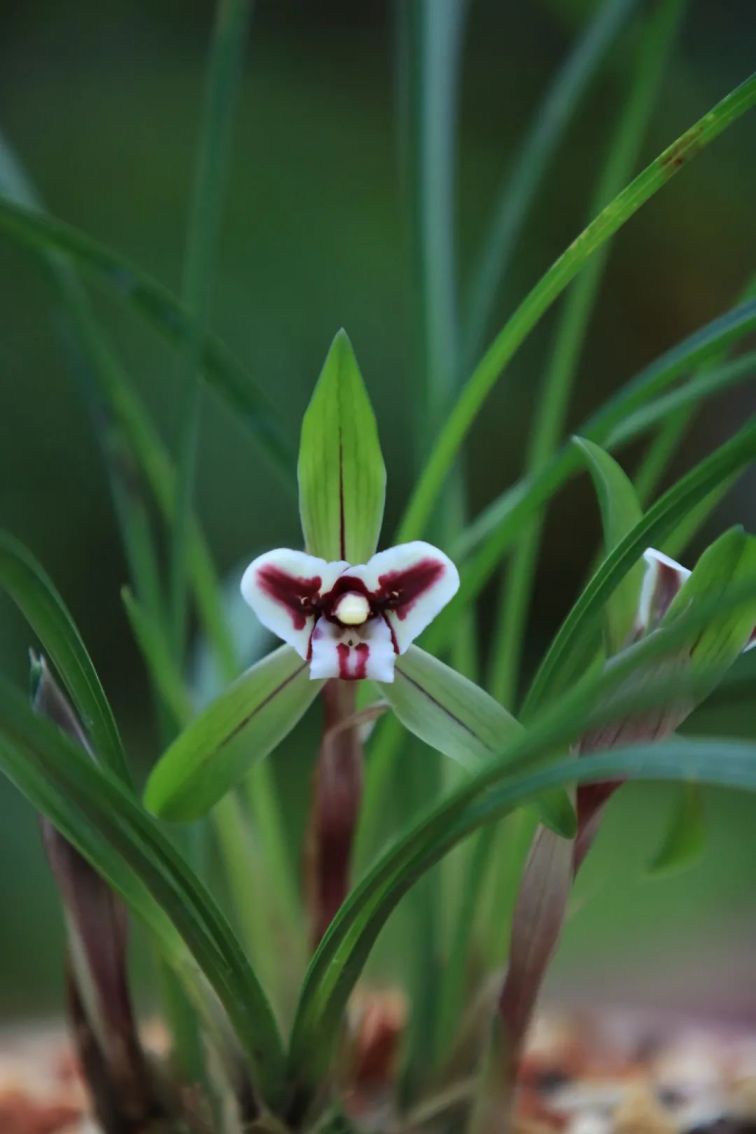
x=101, y=102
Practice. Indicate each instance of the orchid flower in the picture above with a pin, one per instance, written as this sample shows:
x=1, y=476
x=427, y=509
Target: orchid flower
x=663, y=580
x=350, y=622
x=345, y=611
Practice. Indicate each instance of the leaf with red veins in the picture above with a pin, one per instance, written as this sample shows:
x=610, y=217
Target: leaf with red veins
x=284, y=588
x=409, y=585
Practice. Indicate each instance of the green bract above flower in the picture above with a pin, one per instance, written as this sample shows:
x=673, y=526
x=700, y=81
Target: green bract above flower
x=350, y=621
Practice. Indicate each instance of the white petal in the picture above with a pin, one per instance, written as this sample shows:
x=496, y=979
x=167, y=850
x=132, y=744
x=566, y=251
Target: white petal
x=416, y=581
x=663, y=579
x=281, y=586
x=353, y=653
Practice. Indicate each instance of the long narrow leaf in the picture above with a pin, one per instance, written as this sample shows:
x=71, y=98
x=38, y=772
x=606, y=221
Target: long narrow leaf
x=224, y=74
x=161, y=308
x=495, y=529
x=491, y=793
x=22, y=577
x=556, y=385
x=519, y=186
x=337, y=964
x=620, y=512
x=552, y=284
x=556, y=668
x=124, y=844
x=496, y=525
x=130, y=443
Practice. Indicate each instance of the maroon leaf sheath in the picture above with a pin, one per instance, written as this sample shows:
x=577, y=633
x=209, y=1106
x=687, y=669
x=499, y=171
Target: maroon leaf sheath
x=337, y=795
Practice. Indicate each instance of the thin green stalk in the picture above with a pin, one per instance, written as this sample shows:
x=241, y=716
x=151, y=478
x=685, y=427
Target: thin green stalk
x=554, y=395
x=678, y=413
x=225, y=68
x=99, y=365
x=430, y=37
x=429, y=56
x=660, y=171
x=430, y=45
x=126, y=418
x=230, y=824
x=522, y=179
x=660, y=452
x=485, y=540
x=499, y=845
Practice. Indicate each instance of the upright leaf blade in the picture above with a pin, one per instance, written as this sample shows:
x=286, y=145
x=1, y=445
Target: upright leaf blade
x=620, y=512
x=164, y=311
x=727, y=563
x=486, y=374
x=339, y=960
x=22, y=577
x=519, y=187
x=668, y=511
x=125, y=845
x=238, y=728
x=342, y=478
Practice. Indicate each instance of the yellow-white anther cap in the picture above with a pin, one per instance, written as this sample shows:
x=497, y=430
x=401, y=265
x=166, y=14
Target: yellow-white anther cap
x=352, y=609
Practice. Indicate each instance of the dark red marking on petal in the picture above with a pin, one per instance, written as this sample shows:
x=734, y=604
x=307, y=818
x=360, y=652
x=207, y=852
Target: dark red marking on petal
x=359, y=654
x=394, y=642
x=298, y=596
x=309, y=640
x=343, y=585
x=363, y=653
x=400, y=590
x=667, y=585
x=752, y=639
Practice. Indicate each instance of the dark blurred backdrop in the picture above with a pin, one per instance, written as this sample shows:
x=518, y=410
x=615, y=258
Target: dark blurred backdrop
x=101, y=102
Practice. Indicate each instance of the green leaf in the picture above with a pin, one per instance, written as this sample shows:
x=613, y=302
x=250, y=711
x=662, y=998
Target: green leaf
x=639, y=89
x=160, y=665
x=495, y=527
x=339, y=960
x=489, y=794
x=687, y=395
x=124, y=844
x=620, y=512
x=342, y=478
x=164, y=311
x=458, y=718
x=557, y=668
x=524, y=173
x=551, y=285
x=685, y=839
x=24, y=580
x=238, y=728
x=225, y=70
x=726, y=563
x=127, y=437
